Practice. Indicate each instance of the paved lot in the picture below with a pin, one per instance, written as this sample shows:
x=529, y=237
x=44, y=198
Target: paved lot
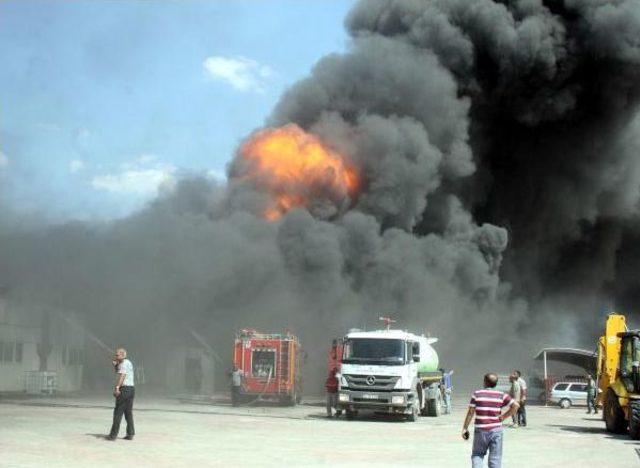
x=69, y=432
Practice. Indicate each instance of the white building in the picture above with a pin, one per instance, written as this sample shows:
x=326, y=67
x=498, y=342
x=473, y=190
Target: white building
x=24, y=334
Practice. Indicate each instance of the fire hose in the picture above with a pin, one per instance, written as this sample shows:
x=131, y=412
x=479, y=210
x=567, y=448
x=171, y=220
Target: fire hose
x=266, y=385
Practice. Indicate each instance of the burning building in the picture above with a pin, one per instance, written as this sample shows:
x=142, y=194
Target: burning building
x=469, y=166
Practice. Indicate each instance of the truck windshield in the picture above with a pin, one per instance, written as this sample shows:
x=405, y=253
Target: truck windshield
x=374, y=351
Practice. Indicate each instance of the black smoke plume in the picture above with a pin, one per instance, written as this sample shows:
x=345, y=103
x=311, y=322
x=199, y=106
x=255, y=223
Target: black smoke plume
x=498, y=143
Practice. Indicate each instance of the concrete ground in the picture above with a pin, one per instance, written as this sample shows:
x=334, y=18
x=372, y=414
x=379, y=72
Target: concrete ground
x=70, y=432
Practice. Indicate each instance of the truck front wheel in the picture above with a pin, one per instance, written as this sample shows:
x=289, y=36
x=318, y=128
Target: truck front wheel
x=415, y=410
x=634, y=419
x=613, y=414
x=351, y=414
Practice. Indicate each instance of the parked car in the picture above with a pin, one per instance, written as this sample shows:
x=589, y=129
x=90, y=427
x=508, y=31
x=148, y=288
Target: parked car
x=567, y=394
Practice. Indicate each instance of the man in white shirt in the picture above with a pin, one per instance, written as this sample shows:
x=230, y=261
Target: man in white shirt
x=522, y=411
x=236, y=385
x=124, y=392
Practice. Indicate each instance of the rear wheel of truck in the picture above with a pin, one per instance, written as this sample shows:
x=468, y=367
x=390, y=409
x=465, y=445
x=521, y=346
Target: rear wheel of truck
x=435, y=406
x=613, y=414
x=634, y=419
x=351, y=414
x=287, y=400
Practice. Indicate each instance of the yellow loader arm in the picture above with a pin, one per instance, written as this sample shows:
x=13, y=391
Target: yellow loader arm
x=609, y=353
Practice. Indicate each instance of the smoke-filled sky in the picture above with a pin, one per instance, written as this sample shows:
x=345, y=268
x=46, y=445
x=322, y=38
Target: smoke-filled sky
x=496, y=147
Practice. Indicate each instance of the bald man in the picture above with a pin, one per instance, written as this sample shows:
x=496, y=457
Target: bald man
x=487, y=404
x=124, y=392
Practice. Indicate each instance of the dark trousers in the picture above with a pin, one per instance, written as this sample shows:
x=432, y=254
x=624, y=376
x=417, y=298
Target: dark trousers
x=235, y=395
x=124, y=405
x=522, y=414
x=591, y=403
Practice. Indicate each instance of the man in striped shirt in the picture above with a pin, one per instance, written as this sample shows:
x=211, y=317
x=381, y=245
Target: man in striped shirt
x=487, y=405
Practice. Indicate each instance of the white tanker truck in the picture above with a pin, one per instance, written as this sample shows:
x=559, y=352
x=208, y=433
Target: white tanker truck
x=390, y=371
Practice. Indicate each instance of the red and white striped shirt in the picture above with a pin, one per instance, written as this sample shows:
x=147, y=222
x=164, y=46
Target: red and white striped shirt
x=488, y=404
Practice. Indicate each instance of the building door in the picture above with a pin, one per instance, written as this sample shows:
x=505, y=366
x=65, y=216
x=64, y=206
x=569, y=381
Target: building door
x=193, y=375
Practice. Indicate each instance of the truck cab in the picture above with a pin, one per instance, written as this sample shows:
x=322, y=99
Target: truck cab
x=390, y=371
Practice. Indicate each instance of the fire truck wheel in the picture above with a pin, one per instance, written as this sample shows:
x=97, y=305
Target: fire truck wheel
x=351, y=415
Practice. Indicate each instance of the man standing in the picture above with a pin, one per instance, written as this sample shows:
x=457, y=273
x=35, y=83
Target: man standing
x=487, y=405
x=515, y=394
x=522, y=412
x=236, y=385
x=124, y=392
x=331, y=385
x=591, y=395
x=448, y=389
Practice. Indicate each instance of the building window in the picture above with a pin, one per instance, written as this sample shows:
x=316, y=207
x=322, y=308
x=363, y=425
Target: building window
x=18, y=353
x=10, y=351
x=72, y=356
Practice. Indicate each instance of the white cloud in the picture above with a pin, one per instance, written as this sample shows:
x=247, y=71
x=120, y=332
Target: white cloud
x=240, y=72
x=138, y=177
x=48, y=127
x=76, y=166
x=4, y=160
x=146, y=158
x=219, y=176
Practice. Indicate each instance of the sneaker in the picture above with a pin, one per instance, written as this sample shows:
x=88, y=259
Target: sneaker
x=110, y=438
x=129, y=437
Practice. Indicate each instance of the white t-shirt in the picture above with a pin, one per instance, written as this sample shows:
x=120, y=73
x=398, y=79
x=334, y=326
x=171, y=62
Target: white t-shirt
x=523, y=386
x=236, y=377
x=126, y=368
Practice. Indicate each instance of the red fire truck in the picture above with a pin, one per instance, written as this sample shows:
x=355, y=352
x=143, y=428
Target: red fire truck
x=271, y=365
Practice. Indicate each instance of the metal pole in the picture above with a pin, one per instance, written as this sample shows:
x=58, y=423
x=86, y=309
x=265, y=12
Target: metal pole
x=546, y=379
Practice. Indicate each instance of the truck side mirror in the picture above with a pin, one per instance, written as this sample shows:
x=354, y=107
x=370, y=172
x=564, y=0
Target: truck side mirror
x=416, y=358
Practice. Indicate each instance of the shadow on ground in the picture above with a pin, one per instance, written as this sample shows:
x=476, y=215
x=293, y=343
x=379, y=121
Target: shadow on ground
x=590, y=430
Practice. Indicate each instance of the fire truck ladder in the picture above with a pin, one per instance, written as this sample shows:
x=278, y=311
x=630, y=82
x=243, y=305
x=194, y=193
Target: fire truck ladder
x=283, y=367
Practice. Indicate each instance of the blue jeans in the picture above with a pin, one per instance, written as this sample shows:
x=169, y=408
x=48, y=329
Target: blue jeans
x=483, y=441
x=447, y=401
x=522, y=413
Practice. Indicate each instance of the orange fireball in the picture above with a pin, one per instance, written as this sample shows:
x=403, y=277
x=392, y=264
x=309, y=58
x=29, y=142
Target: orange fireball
x=295, y=167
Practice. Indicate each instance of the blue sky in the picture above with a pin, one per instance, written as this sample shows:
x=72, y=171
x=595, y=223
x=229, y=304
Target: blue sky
x=102, y=101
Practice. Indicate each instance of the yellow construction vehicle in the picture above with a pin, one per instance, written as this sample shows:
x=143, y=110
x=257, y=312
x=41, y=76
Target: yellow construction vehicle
x=619, y=376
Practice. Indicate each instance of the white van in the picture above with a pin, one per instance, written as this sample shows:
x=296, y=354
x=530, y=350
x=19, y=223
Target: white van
x=567, y=394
